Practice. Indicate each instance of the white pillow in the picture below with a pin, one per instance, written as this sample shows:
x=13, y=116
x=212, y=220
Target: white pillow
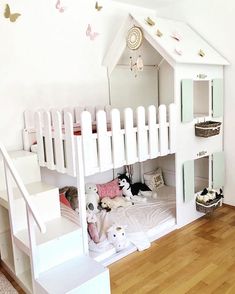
x=154, y=179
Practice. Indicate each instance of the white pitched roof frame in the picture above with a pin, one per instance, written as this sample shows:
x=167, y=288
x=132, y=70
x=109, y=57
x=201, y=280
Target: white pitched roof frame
x=189, y=44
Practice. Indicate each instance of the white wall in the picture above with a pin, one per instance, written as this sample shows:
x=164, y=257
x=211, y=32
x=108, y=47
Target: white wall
x=214, y=20
x=47, y=60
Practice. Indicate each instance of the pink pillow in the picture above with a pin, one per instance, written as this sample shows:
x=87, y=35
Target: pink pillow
x=64, y=200
x=110, y=189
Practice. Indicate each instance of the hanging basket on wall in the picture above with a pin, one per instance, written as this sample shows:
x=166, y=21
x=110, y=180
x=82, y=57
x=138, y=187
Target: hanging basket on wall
x=207, y=129
x=208, y=207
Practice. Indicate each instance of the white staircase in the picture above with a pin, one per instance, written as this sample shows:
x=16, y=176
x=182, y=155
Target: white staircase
x=43, y=251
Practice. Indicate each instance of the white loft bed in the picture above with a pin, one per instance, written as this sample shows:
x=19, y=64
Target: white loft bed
x=103, y=141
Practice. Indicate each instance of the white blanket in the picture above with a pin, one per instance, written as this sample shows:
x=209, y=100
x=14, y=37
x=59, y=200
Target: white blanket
x=139, y=218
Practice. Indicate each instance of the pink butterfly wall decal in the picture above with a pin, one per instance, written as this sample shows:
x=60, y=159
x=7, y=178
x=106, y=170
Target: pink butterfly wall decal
x=90, y=34
x=59, y=7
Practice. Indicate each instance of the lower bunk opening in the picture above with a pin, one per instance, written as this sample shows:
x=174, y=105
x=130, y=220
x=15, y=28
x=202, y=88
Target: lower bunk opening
x=151, y=216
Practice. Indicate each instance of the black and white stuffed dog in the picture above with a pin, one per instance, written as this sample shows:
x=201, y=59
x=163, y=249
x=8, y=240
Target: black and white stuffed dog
x=133, y=191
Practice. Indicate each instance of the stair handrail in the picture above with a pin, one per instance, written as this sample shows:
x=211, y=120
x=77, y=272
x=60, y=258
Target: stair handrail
x=25, y=194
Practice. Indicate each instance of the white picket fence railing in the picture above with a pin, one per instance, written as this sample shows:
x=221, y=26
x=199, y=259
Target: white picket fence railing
x=119, y=139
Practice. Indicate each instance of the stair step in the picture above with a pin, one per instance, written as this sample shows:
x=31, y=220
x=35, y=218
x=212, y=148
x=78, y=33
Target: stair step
x=32, y=188
x=45, y=198
x=26, y=164
x=62, y=241
x=79, y=275
x=55, y=229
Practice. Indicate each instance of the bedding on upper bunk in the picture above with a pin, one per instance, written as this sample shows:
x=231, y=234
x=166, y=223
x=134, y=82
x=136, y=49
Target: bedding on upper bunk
x=141, y=219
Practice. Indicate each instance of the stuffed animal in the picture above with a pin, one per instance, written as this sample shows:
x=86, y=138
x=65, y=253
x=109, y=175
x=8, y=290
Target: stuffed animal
x=92, y=198
x=116, y=235
x=130, y=191
x=71, y=194
x=207, y=195
x=108, y=204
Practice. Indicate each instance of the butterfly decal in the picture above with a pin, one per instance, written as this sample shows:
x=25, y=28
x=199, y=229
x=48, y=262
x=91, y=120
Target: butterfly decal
x=90, y=34
x=60, y=8
x=12, y=16
x=97, y=6
x=150, y=22
x=159, y=33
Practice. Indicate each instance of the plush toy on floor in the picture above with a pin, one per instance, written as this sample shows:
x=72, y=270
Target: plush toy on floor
x=117, y=237
x=108, y=204
x=130, y=191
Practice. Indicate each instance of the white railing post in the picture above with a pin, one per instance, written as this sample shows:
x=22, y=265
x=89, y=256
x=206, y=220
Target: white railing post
x=163, y=130
x=172, y=127
x=153, y=132
x=130, y=137
x=58, y=142
x=69, y=143
x=89, y=146
x=104, y=143
x=39, y=138
x=142, y=136
x=118, y=147
x=81, y=191
x=34, y=261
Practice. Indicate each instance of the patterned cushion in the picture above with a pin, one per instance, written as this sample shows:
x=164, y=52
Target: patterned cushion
x=110, y=189
x=154, y=179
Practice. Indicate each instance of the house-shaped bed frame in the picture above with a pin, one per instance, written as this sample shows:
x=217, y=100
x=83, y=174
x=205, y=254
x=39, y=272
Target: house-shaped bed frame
x=189, y=79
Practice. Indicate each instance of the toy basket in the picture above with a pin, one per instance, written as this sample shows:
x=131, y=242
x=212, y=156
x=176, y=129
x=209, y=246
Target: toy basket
x=210, y=207
x=207, y=129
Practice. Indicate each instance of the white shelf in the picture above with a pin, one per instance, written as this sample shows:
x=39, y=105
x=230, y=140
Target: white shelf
x=9, y=263
x=26, y=280
x=73, y=275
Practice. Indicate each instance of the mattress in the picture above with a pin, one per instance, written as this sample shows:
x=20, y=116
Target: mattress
x=141, y=220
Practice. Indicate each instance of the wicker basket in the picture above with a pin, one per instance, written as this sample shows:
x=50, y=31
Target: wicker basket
x=210, y=207
x=207, y=129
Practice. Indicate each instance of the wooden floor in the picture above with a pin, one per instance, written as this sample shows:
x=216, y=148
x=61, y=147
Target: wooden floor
x=199, y=258
x=14, y=284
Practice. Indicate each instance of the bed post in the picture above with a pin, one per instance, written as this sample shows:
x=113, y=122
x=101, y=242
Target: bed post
x=81, y=191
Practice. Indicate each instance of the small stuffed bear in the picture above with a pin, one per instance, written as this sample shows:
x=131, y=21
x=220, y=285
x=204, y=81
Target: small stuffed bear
x=117, y=237
x=92, y=197
x=109, y=204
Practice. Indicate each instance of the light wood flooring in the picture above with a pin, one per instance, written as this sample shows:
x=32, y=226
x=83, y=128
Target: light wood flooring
x=14, y=284
x=199, y=258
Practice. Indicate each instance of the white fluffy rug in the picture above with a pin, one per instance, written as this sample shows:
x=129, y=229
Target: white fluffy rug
x=5, y=286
